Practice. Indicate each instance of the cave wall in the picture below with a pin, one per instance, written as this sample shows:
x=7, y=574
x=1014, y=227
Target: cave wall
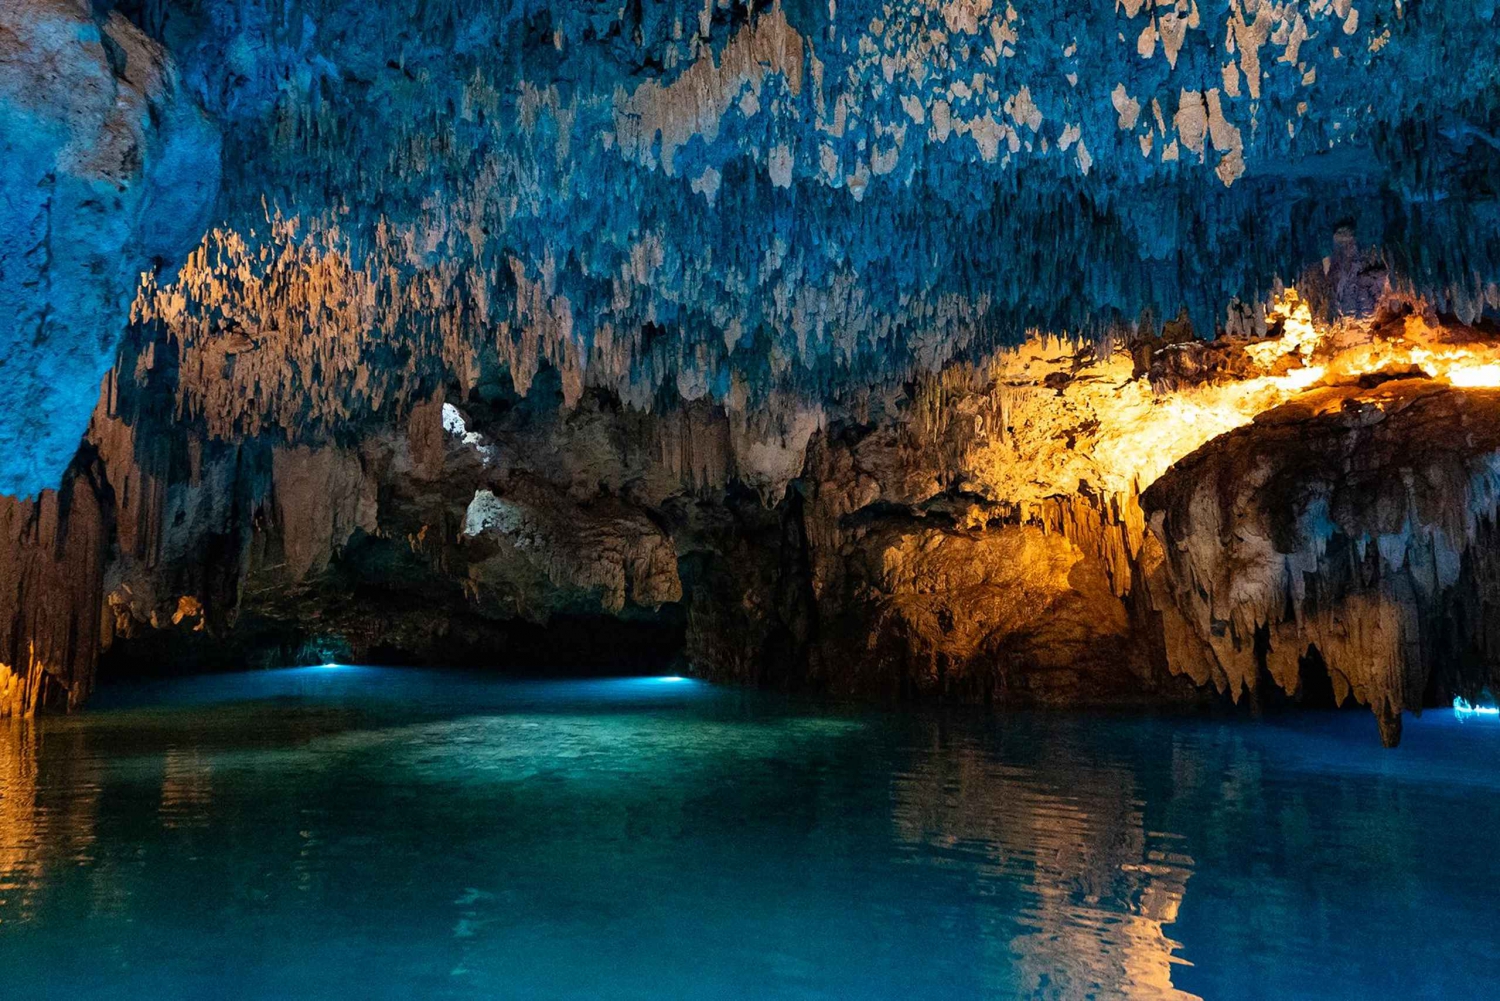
x=804, y=550
x=840, y=342
x=1355, y=528
x=978, y=535
x=107, y=168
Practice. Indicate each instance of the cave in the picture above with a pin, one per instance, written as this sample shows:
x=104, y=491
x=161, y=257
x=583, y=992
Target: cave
x=780, y=499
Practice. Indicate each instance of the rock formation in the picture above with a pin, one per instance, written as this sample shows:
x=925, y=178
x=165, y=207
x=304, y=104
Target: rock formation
x=107, y=169
x=918, y=348
x=978, y=535
x=1351, y=532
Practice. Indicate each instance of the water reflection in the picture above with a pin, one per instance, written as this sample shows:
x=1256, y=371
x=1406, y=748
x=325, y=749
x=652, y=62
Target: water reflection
x=186, y=788
x=44, y=823
x=1096, y=887
x=261, y=836
x=17, y=817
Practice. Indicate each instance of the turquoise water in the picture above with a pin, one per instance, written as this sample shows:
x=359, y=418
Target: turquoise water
x=369, y=833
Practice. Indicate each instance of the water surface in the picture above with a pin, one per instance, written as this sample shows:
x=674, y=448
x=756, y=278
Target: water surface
x=369, y=833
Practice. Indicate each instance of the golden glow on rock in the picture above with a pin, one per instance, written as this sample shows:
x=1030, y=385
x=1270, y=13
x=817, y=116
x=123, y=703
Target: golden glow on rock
x=1418, y=349
x=1066, y=422
x=1095, y=421
x=1149, y=432
x=1481, y=376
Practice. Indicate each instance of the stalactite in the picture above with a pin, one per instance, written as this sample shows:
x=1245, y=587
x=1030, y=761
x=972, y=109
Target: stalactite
x=477, y=247
x=1339, y=526
x=722, y=297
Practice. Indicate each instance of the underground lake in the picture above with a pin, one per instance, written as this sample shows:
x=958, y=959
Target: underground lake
x=346, y=831
x=687, y=500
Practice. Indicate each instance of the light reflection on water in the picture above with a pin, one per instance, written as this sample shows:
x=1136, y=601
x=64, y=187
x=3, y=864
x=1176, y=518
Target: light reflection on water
x=356, y=832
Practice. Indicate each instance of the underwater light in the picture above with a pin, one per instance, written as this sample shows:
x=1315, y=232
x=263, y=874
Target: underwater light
x=332, y=664
x=1463, y=708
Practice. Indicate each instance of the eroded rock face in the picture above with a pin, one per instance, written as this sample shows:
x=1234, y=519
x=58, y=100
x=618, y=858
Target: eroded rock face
x=800, y=550
x=1013, y=613
x=677, y=201
x=535, y=552
x=107, y=169
x=689, y=313
x=975, y=535
x=1351, y=532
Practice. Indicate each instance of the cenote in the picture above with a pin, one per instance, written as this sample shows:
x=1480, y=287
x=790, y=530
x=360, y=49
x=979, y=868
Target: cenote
x=839, y=499
x=373, y=833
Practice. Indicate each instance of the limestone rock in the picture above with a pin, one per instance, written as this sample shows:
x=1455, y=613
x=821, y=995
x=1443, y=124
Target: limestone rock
x=107, y=169
x=1352, y=534
x=534, y=553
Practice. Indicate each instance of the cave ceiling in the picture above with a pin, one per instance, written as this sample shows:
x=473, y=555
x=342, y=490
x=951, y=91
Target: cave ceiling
x=1032, y=352
x=680, y=200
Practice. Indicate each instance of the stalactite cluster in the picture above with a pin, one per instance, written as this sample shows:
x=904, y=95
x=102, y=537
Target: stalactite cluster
x=1354, y=530
x=775, y=208
x=925, y=346
x=980, y=533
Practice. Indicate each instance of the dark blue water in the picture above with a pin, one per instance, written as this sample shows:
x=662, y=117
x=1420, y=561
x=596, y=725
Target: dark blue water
x=362, y=833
